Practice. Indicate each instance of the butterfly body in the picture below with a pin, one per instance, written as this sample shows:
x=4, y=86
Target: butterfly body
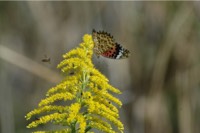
x=105, y=45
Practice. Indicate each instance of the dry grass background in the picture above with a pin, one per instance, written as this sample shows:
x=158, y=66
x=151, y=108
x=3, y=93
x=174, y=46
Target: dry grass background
x=160, y=81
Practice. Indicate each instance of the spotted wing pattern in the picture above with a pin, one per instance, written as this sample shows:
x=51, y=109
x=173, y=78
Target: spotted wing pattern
x=105, y=45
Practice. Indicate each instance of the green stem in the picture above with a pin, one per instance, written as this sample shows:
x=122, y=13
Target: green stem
x=84, y=81
x=73, y=128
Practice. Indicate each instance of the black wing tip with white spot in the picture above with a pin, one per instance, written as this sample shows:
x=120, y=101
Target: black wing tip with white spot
x=121, y=53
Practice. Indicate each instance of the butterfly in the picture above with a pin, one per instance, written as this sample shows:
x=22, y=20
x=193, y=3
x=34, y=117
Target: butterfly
x=105, y=45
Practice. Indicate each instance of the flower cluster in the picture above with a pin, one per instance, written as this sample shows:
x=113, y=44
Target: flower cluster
x=90, y=104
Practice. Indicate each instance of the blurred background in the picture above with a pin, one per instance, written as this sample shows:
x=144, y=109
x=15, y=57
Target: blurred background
x=160, y=81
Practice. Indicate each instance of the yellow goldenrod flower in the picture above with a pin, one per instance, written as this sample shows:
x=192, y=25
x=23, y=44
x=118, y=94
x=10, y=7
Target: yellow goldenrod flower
x=45, y=119
x=81, y=119
x=60, y=96
x=57, y=131
x=82, y=101
x=74, y=110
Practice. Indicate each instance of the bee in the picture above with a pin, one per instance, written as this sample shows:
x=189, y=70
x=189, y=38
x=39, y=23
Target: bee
x=46, y=59
x=71, y=73
x=37, y=118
